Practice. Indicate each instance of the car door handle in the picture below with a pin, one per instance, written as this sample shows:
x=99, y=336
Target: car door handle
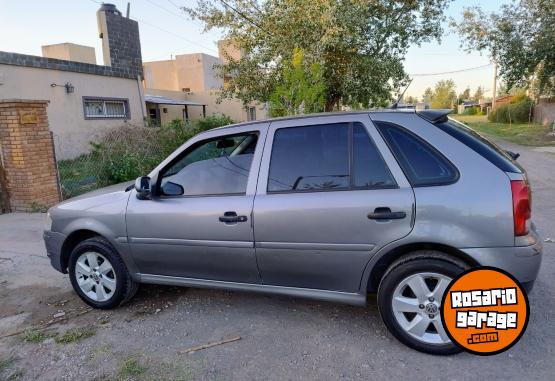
x=232, y=217
x=386, y=214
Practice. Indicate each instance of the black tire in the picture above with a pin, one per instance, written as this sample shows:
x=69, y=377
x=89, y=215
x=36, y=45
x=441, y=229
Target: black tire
x=125, y=288
x=414, y=263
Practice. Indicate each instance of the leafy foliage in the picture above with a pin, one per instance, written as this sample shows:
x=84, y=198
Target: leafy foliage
x=302, y=89
x=359, y=45
x=519, y=112
x=129, y=152
x=521, y=38
x=444, y=95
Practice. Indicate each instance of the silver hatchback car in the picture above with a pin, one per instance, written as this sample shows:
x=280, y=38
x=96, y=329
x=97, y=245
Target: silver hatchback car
x=329, y=206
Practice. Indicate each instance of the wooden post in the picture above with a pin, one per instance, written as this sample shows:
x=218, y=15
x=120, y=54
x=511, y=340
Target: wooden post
x=494, y=84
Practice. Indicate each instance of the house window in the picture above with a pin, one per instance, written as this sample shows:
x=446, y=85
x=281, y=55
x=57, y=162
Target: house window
x=251, y=113
x=99, y=108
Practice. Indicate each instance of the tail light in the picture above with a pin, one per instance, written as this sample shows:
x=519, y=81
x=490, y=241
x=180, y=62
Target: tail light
x=521, y=206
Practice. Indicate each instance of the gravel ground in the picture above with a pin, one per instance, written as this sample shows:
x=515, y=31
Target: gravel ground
x=281, y=338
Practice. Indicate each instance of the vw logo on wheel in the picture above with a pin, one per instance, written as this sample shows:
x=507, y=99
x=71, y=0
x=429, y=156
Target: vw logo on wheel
x=431, y=308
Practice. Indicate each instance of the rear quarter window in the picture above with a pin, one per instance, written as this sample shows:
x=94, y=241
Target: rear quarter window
x=422, y=164
x=480, y=145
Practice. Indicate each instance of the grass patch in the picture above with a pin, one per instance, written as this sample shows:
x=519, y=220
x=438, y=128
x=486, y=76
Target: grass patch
x=74, y=335
x=524, y=134
x=7, y=363
x=8, y=371
x=131, y=369
x=33, y=335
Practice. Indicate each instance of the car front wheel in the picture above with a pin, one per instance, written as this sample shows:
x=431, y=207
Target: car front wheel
x=409, y=300
x=98, y=274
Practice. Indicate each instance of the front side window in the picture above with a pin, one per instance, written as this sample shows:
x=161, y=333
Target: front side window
x=213, y=167
x=105, y=108
x=325, y=158
x=422, y=164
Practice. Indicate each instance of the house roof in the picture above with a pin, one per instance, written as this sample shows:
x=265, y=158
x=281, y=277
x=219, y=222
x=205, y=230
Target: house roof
x=156, y=99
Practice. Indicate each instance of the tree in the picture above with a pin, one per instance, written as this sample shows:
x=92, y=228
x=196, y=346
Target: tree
x=444, y=95
x=301, y=89
x=428, y=94
x=520, y=38
x=478, y=94
x=359, y=45
x=411, y=100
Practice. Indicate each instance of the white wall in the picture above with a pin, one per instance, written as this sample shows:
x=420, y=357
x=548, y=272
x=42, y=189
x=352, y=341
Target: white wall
x=72, y=132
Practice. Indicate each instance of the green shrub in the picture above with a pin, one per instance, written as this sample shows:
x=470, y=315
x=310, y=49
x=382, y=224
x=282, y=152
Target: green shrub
x=471, y=111
x=512, y=113
x=129, y=152
x=212, y=121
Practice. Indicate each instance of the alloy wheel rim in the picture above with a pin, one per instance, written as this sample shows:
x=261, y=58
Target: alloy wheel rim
x=416, y=306
x=95, y=276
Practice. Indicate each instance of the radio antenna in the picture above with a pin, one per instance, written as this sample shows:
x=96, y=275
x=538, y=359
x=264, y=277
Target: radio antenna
x=396, y=104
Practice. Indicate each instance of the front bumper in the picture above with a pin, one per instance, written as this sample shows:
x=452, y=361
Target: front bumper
x=53, y=242
x=523, y=262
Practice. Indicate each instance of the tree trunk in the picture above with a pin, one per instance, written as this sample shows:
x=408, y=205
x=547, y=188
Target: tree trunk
x=330, y=102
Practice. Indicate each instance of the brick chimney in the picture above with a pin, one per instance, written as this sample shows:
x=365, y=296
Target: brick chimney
x=121, y=45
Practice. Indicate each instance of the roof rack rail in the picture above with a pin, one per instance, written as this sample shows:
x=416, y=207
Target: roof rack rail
x=435, y=115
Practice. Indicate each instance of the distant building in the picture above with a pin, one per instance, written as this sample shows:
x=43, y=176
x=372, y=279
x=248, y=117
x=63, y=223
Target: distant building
x=188, y=87
x=85, y=99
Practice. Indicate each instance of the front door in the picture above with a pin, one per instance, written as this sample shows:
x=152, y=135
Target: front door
x=326, y=202
x=200, y=225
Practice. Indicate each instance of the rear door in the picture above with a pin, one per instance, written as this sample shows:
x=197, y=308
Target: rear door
x=329, y=195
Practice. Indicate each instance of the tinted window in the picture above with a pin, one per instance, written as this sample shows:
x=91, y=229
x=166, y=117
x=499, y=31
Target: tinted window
x=423, y=165
x=369, y=168
x=217, y=166
x=319, y=158
x=482, y=146
x=310, y=158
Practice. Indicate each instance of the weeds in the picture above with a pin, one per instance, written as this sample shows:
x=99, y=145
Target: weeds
x=74, y=335
x=131, y=369
x=33, y=335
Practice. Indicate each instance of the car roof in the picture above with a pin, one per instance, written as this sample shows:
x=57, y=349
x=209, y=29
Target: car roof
x=431, y=115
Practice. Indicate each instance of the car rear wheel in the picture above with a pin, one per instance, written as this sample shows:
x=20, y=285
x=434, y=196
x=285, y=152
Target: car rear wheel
x=98, y=274
x=409, y=300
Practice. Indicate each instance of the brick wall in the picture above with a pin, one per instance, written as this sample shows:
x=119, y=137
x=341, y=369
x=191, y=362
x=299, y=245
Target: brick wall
x=27, y=155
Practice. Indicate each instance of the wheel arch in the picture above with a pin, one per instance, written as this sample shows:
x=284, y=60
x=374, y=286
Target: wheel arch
x=378, y=266
x=73, y=240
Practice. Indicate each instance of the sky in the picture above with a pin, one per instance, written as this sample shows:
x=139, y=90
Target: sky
x=26, y=25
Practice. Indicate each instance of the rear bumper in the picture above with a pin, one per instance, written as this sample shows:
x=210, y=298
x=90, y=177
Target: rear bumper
x=523, y=262
x=53, y=242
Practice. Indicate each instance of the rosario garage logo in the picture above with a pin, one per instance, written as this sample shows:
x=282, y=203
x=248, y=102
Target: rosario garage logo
x=485, y=311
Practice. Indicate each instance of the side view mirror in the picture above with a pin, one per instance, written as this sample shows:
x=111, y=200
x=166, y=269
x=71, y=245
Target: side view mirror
x=172, y=189
x=142, y=186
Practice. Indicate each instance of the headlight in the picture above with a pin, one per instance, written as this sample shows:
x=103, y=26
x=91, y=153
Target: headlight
x=48, y=222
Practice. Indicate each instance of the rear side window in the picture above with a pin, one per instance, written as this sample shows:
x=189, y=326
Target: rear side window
x=325, y=158
x=479, y=144
x=422, y=164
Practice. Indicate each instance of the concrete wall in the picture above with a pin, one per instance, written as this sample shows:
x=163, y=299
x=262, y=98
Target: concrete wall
x=227, y=49
x=544, y=113
x=70, y=52
x=161, y=75
x=188, y=71
x=72, y=132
